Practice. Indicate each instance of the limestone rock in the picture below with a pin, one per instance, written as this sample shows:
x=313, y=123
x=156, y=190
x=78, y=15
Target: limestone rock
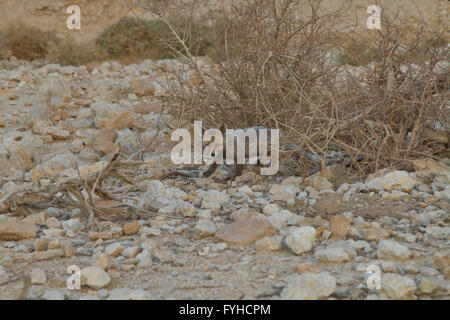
x=245, y=232
x=301, y=239
x=15, y=229
x=309, y=286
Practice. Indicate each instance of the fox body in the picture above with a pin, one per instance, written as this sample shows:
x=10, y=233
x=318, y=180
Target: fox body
x=245, y=144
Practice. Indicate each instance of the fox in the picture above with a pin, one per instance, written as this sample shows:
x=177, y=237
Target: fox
x=244, y=136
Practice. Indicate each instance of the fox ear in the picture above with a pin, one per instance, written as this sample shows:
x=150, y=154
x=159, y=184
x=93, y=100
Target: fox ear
x=223, y=128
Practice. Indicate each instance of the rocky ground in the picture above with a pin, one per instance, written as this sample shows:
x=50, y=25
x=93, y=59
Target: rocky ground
x=183, y=236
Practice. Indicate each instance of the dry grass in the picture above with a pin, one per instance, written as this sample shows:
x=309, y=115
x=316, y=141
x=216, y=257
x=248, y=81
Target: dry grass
x=148, y=39
x=25, y=42
x=128, y=41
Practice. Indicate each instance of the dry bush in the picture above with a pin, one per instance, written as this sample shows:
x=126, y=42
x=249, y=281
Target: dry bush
x=276, y=65
x=26, y=42
x=149, y=39
x=67, y=51
x=400, y=111
x=127, y=41
x=29, y=43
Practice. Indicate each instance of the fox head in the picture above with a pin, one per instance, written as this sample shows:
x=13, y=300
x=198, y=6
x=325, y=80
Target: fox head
x=214, y=140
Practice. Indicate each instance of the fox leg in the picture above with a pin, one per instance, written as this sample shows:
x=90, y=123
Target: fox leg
x=211, y=170
x=238, y=170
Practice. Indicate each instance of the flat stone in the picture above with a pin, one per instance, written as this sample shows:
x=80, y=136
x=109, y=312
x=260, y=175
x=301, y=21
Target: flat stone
x=205, y=228
x=53, y=295
x=428, y=286
x=245, y=232
x=269, y=243
x=95, y=277
x=398, y=287
x=114, y=249
x=280, y=218
x=399, y=180
x=332, y=255
x=42, y=244
x=214, y=200
x=388, y=249
x=305, y=267
x=38, y=276
x=15, y=229
x=128, y=294
x=72, y=226
x=442, y=259
x=309, y=286
x=102, y=262
x=104, y=235
x=339, y=225
x=4, y=275
x=52, y=222
x=375, y=234
x=131, y=252
x=131, y=228
x=301, y=239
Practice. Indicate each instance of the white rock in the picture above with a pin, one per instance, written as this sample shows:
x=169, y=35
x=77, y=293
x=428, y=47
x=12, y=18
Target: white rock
x=128, y=294
x=145, y=259
x=394, y=195
x=188, y=210
x=388, y=249
x=131, y=252
x=428, y=285
x=360, y=245
x=309, y=286
x=292, y=180
x=38, y=276
x=444, y=194
x=219, y=246
x=302, y=195
x=172, y=207
x=155, y=196
x=146, y=231
x=174, y=193
x=301, y=239
x=279, y=219
x=52, y=295
x=56, y=91
x=393, y=180
x=95, y=277
x=407, y=237
x=411, y=267
x=72, y=226
x=114, y=249
x=269, y=243
x=89, y=297
x=343, y=188
x=204, y=214
x=214, y=199
x=271, y=208
x=279, y=189
x=289, y=189
x=246, y=189
x=348, y=246
x=398, y=287
x=4, y=275
x=332, y=255
x=389, y=266
x=205, y=228
x=437, y=232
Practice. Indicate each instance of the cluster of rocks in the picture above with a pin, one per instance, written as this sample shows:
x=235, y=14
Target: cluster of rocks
x=310, y=241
